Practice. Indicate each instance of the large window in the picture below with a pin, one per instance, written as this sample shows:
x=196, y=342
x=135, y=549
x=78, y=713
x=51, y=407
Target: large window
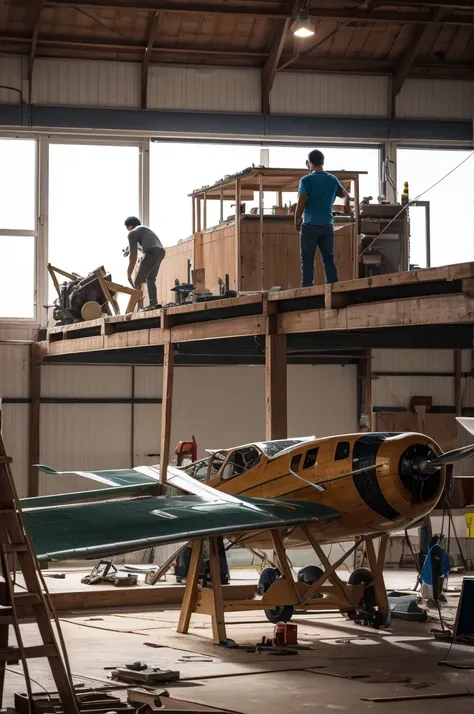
x=336, y=158
x=451, y=203
x=177, y=169
x=17, y=228
x=92, y=189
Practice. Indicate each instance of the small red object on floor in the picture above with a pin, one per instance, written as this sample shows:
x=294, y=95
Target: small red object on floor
x=280, y=634
x=291, y=635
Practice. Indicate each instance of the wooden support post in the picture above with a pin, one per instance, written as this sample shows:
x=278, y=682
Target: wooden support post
x=356, y=229
x=283, y=564
x=34, y=420
x=260, y=208
x=221, y=202
x=204, y=212
x=238, y=257
x=218, y=621
x=457, y=381
x=376, y=564
x=275, y=382
x=166, y=409
x=193, y=219
x=190, y=590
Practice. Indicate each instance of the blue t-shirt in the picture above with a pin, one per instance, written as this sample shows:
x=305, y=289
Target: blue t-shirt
x=321, y=189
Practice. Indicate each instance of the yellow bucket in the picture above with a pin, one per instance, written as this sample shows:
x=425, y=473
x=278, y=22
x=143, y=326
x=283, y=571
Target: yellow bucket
x=470, y=524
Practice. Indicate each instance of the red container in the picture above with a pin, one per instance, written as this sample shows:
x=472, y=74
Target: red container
x=280, y=634
x=291, y=634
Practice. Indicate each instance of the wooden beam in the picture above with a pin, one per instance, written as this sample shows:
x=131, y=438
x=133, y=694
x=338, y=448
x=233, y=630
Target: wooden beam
x=152, y=33
x=276, y=387
x=166, y=409
x=190, y=590
x=409, y=56
x=284, y=566
x=218, y=621
x=34, y=419
x=379, y=17
x=270, y=69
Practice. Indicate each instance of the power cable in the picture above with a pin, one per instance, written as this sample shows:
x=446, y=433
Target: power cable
x=404, y=208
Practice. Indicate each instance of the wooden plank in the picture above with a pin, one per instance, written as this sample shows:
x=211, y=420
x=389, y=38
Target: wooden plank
x=218, y=622
x=376, y=564
x=190, y=590
x=460, y=271
x=276, y=387
x=225, y=303
x=231, y=327
x=283, y=564
x=426, y=310
x=166, y=410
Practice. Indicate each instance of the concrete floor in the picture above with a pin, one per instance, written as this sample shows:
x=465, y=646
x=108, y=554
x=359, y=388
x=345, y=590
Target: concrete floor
x=241, y=682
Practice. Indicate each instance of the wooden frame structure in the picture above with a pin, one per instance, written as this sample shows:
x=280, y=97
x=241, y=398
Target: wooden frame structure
x=109, y=288
x=257, y=248
x=216, y=600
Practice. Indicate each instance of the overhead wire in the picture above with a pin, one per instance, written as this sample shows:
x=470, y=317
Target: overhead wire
x=405, y=208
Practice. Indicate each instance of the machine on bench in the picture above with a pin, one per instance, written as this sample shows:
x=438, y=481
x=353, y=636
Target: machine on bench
x=186, y=293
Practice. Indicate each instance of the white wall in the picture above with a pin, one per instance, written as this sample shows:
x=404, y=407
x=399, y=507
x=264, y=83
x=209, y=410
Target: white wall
x=75, y=82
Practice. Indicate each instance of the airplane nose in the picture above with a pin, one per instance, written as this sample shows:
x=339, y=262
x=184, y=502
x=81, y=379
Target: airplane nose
x=417, y=475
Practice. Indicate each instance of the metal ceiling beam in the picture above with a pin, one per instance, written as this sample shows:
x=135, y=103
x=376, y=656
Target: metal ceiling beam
x=409, y=56
x=154, y=20
x=270, y=69
x=447, y=4
x=379, y=17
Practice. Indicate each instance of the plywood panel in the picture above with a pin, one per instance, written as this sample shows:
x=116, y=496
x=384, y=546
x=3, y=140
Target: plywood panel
x=174, y=265
x=281, y=255
x=218, y=254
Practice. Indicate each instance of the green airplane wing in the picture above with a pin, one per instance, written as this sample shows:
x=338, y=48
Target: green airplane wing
x=106, y=528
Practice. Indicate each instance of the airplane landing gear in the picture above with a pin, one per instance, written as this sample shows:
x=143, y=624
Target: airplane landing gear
x=368, y=614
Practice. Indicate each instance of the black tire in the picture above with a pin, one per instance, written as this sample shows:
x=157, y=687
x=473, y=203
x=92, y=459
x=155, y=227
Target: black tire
x=309, y=574
x=267, y=578
x=280, y=614
x=365, y=577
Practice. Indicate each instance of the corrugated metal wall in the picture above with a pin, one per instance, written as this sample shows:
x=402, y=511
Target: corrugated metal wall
x=86, y=83
x=11, y=75
x=204, y=89
x=221, y=406
x=436, y=98
x=117, y=84
x=395, y=390
x=14, y=383
x=330, y=95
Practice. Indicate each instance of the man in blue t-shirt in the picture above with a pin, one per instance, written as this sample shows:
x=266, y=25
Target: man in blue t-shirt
x=314, y=219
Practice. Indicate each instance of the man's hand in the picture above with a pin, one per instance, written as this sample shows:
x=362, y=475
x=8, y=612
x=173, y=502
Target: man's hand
x=347, y=205
x=298, y=225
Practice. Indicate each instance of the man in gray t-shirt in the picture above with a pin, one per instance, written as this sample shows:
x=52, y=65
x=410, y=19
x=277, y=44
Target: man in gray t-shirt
x=153, y=254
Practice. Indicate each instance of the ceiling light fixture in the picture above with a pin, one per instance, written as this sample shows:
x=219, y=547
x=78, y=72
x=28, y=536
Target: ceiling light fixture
x=303, y=26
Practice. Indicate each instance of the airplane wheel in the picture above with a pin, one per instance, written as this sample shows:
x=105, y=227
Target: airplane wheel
x=309, y=574
x=280, y=614
x=371, y=616
x=267, y=578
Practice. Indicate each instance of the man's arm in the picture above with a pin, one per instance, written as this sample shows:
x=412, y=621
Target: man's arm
x=302, y=198
x=342, y=193
x=132, y=260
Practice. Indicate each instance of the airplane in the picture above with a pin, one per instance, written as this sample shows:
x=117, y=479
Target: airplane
x=313, y=491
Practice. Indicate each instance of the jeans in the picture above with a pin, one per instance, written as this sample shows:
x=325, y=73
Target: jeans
x=148, y=271
x=311, y=238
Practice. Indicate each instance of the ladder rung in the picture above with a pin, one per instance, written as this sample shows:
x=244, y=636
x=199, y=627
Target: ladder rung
x=25, y=599
x=6, y=460
x=14, y=548
x=13, y=653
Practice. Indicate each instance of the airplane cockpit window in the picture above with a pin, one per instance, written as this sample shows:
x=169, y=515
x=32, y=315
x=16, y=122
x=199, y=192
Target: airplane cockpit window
x=240, y=461
x=198, y=469
x=295, y=462
x=272, y=448
x=343, y=449
x=310, y=458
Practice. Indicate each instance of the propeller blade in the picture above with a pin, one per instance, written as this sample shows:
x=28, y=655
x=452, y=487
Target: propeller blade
x=451, y=457
x=467, y=423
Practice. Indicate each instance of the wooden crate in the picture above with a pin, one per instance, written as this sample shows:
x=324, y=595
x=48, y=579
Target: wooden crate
x=174, y=265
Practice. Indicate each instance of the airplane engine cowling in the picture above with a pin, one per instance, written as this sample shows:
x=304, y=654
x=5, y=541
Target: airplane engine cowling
x=415, y=473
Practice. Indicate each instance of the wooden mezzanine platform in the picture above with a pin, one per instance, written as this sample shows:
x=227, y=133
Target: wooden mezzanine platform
x=431, y=308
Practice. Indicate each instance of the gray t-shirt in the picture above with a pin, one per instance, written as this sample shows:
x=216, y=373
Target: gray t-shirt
x=144, y=237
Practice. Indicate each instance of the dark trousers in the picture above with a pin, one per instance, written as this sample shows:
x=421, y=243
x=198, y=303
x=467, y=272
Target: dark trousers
x=311, y=238
x=148, y=271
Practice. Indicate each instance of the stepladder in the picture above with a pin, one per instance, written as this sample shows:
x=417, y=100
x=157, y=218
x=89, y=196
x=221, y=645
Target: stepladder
x=26, y=597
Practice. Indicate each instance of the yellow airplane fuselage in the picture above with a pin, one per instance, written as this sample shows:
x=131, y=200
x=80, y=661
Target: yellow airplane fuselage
x=371, y=479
